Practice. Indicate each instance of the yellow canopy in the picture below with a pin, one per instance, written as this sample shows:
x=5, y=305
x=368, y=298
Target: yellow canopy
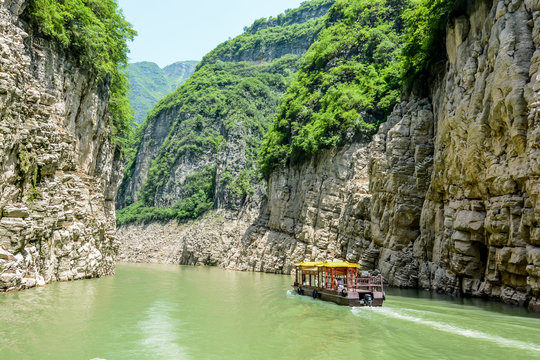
x=340, y=264
x=309, y=263
x=310, y=268
x=329, y=264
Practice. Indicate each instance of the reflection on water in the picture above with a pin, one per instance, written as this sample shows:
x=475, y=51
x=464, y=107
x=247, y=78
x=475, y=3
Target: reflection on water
x=180, y=312
x=161, y=332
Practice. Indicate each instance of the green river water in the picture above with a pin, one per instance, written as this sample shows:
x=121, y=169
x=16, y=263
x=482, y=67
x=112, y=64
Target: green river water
x=177, y=312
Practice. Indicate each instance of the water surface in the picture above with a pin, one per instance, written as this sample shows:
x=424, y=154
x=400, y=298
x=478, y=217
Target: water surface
x=178, y=312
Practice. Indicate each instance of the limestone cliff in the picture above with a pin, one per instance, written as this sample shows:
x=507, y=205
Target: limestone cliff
x=308, y=214
x=478, y=227
x=446, y=195
x=58, y=169
x=453, y=180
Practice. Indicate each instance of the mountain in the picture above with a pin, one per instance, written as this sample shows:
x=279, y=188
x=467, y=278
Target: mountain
x=149, y=83
x=214, y=123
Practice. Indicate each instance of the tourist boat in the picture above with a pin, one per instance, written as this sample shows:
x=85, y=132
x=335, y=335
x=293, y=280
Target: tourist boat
x=338, y=282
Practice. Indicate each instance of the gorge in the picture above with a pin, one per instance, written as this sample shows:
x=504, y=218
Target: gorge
x=326, y=132
x=443, y=198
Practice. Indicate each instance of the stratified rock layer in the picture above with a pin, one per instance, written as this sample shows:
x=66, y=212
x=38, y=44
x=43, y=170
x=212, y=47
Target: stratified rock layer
x=479, y=231
x=58, y=169
x=447, y=195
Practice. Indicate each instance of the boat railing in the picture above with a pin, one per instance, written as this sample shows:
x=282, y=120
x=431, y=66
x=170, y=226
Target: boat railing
x=368, y=283
x=349, y=284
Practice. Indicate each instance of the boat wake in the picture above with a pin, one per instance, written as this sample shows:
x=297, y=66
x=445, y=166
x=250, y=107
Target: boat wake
x=469, y=333
x=290, y=293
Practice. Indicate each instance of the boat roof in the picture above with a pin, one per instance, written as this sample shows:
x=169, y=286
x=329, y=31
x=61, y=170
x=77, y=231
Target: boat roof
x=329, y=264
x=309, y=263
x=339, y=264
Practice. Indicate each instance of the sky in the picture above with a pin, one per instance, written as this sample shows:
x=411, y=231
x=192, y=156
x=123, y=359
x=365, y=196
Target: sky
x=174, y=30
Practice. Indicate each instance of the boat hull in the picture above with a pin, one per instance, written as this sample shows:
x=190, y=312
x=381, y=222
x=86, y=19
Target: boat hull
x=351, y=298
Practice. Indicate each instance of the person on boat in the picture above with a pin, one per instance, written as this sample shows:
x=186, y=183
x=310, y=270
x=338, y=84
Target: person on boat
x=340, y=286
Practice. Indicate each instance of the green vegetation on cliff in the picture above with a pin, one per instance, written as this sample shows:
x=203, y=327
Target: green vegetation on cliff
x=219, y=116
x=353, y=75
x=96, y=33
x=150, y=83
x=196, y=198
x=424, y=28
x=348, y=82
x=306, y=10
x=340, y=90
x=271, y=38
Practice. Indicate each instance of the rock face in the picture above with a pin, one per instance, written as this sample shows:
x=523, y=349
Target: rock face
x=446, y=196
x=478, y=228
x=208, y=241
x=265, y=39
x=58, y=169
x=317, y=210
x=154, y=135
x=400, y=170
x=309, y=11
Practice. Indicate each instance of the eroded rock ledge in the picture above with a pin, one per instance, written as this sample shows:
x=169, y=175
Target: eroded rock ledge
x=58, y=169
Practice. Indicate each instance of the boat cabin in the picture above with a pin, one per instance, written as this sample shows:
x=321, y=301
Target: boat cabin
x=338, y=282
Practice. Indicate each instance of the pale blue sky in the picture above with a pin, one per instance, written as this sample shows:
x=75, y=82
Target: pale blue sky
x=173, y=30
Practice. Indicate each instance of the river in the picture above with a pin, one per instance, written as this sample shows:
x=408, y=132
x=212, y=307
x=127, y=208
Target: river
x=179, y=312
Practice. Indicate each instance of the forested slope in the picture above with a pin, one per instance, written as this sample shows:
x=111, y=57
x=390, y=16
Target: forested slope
x=149, y=83
x=198, y=149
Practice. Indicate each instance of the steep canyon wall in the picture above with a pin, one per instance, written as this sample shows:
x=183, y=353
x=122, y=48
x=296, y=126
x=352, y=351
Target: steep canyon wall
x=478, y=227
x=318, y=209
x=59, y=171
